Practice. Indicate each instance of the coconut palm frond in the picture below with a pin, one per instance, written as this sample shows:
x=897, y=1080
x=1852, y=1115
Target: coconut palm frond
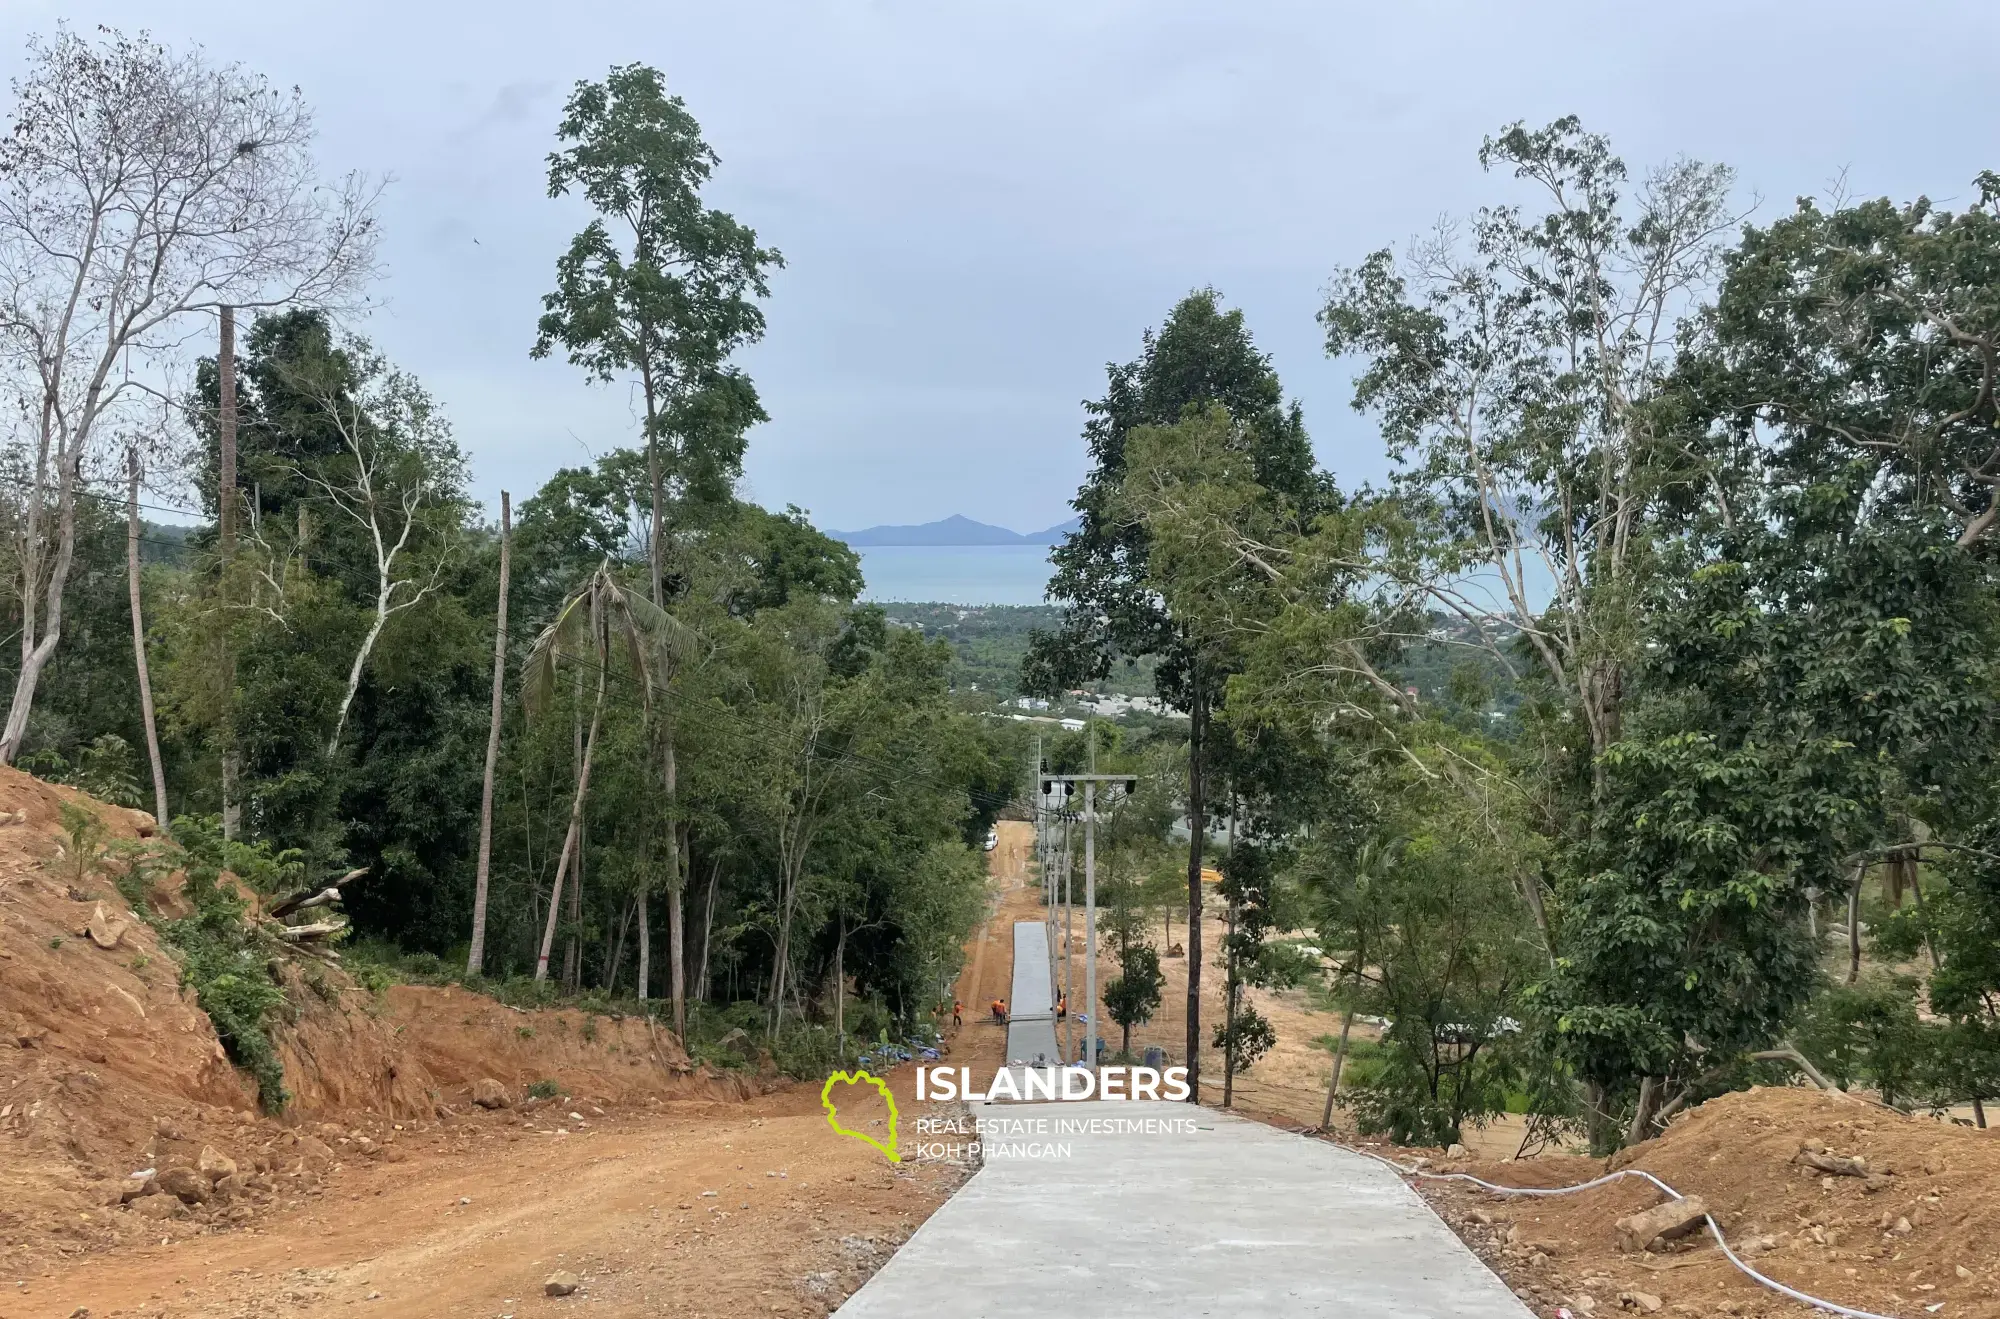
x=582, y=632
x=567, y=636
x=656, y=642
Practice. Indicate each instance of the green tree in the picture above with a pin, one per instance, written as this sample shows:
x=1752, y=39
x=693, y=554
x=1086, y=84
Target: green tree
x=1201, y=358
x=1519, y=367
x=1133, y=996
x=661, y=287
x=601, y=619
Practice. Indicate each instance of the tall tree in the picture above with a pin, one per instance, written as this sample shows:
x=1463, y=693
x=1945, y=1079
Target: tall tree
x=1518, y=377
x=139, y=186
x=664, y=288
x=601, y=620
x=1201, y=357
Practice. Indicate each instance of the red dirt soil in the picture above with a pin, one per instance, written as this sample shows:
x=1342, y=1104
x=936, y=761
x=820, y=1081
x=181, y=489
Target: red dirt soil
x=670, y=1190
x=1927, y=1242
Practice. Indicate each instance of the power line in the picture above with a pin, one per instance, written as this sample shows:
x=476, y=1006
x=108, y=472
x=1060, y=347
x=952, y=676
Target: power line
x=118, y=500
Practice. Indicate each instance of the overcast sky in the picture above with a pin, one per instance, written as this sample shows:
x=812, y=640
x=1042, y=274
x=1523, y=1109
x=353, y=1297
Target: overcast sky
x=981, y=202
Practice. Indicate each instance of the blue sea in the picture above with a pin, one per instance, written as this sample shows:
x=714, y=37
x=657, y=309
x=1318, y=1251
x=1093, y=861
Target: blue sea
x=956, y=574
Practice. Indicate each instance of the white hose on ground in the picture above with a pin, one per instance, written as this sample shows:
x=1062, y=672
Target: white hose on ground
x=1831, y=1307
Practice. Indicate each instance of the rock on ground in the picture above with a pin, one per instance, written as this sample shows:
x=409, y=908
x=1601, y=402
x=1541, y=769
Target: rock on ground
x=1675, y=1218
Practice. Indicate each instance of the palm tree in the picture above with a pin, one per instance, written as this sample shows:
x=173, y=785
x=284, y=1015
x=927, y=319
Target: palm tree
x=602, y=614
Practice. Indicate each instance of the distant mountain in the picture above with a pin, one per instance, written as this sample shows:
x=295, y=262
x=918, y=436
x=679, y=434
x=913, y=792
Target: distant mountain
x=954, y=530
x=1054, y=535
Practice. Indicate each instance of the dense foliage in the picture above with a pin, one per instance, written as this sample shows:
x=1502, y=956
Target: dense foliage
x=773, y=766
x=1634, y=742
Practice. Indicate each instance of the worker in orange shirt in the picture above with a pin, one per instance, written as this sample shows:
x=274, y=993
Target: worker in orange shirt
x=1000, y=1011
x=957, y=1014
x=1062, y=1006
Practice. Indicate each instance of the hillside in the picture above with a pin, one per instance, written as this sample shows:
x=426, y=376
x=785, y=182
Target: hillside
x=110, y=1064
x=990, y=641
x=438, y=1150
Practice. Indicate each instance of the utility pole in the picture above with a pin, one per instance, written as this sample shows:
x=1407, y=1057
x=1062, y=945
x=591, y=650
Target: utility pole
x=225, y=542
x=1116, y=785
x=1069, y=922
x=1090, y=1035
x=475, y=961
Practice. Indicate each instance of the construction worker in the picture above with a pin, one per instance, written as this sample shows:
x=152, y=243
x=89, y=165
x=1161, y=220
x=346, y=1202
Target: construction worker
x=1062, y=1006
x=1000, y=1011
x=957, y=1014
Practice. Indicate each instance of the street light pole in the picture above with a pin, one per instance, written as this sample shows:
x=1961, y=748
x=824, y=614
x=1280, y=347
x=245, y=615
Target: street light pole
x=1060, y=786
x=1090, y=1034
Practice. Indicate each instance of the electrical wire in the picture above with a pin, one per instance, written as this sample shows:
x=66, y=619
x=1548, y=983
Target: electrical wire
x=118, y=500
x=1714, y=1229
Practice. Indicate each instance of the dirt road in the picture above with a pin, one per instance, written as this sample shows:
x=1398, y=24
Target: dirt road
x=677, y=1208
x=713, y=1209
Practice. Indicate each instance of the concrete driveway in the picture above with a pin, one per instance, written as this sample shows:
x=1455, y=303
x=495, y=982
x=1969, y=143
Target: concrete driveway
x=1101, y=1209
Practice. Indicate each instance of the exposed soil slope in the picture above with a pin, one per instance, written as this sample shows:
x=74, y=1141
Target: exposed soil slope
x=1922, y=1238
x=668, y=1190
x=109, y=1066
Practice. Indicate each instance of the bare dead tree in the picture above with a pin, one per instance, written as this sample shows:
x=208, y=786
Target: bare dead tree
x=139, y=635
x=399, y=473
x=141, y=189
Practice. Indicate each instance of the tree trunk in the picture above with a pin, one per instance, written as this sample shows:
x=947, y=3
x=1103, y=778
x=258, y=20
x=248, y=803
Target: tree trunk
x=614, y=947
x=1197, y=834
x=1854, y=923
x=475, y=962
x=789, y=871
x=1979, y=1112
x=645, y=945
x=582, y=837
x=573, y=834
x=676, y=949
x=573, y=946
x=1642, y=1112
x=225, y=541
x=139, y=638
x=677, y=939
x=707, y=928
x=840, y=993
x=1229, y=992
x=1906, y=862
x=1339, y=1062
x=1597, y=1121
x=37, y=647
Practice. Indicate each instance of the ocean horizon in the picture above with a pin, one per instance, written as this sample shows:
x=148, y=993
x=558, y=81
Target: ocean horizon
x=956, y=574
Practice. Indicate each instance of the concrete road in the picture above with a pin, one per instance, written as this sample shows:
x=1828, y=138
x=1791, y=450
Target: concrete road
x=1031, y=1013
x=1071, y=1217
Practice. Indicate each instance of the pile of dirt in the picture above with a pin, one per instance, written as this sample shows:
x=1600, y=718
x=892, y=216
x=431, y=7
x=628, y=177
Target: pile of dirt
x=1913, y=1228
x=109, y=1066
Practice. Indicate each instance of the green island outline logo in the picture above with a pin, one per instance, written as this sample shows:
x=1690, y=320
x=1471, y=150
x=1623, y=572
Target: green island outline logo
x=857, y=1077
